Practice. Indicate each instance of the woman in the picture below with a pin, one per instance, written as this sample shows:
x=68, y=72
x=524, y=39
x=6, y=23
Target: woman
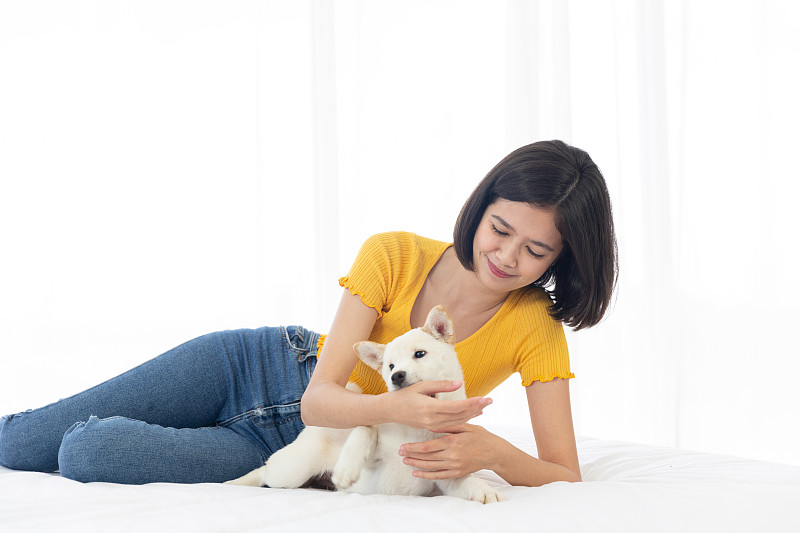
x=533, y=247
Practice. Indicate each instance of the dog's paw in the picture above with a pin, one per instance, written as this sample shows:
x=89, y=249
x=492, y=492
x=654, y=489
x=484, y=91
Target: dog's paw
x=473, y=489
x=486, y=495
x=357, y=450
x=251, y=479
x=346, y=473
x=283, y=474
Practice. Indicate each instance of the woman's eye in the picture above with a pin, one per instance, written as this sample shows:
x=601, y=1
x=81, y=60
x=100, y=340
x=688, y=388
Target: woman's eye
x=501, y=233
x=420, y=353
x=534, y=254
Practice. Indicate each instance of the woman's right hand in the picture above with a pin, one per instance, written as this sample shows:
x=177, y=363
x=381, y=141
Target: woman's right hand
x=416, y=406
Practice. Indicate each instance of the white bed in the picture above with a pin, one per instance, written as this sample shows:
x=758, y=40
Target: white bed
x=627, y=487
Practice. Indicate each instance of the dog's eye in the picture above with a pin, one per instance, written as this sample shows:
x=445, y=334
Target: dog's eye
x=420, y=353
x=391, y=367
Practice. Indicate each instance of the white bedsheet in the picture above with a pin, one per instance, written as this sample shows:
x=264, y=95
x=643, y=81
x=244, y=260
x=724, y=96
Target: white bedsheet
x=627, y=487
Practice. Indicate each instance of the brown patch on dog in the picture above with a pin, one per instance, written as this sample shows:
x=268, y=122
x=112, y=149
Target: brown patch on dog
x=322, y=481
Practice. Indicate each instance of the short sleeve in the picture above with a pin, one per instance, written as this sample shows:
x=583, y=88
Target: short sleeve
x=376, y=271
x=542, y=353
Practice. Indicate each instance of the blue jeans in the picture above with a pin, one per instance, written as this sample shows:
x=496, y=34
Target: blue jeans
x=209, y=410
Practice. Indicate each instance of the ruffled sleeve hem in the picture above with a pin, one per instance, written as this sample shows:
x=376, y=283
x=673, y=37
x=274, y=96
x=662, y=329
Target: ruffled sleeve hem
x=545, y=379
x=345, y=282
x=320, y=342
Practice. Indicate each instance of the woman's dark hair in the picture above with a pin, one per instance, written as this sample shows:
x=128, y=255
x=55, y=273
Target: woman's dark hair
x=554, y=175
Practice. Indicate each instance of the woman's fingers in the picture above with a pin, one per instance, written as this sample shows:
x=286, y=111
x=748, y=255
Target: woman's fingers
x=452, y=455
x=419, y=449
x=418, y=409
x=429, y=388
x=459, y=412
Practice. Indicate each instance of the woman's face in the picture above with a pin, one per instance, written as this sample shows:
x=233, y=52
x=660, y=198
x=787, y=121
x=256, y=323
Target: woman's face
x=514, y=245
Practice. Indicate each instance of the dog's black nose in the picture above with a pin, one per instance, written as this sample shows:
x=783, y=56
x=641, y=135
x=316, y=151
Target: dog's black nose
x=398, y=378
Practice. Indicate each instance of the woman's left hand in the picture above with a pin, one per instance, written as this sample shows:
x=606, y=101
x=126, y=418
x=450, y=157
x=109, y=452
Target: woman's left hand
x=465, y=449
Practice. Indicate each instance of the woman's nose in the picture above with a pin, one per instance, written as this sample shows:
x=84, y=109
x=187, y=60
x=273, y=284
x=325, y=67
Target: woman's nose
x=507, y=255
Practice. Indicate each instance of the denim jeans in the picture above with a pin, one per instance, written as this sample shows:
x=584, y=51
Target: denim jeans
x=209, y=410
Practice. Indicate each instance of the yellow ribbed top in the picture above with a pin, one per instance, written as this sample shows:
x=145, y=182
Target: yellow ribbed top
x=388, y=274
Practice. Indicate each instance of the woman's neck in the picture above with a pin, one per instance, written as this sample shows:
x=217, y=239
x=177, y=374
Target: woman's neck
x=462, y=287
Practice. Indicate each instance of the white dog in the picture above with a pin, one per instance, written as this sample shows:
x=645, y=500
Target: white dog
x=365, y=459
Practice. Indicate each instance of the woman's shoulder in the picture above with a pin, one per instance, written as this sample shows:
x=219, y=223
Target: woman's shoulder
x=532, y=295
x=404, y=244
x=533, y=330
x=531, y=304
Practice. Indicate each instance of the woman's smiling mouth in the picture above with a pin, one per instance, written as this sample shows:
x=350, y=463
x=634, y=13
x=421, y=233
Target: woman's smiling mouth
x=496, y=271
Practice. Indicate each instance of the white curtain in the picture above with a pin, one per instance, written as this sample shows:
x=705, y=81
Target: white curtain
x=169, y=168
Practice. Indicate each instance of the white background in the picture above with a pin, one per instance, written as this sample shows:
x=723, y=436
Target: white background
x=170, y=168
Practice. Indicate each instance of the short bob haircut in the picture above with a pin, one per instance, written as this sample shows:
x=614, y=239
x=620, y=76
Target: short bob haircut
x=554, y=175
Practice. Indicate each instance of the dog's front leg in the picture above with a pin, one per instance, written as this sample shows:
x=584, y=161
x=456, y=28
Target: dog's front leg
x=357, y=449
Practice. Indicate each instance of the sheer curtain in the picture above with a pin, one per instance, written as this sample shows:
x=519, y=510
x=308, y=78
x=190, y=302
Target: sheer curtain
x=173, y=168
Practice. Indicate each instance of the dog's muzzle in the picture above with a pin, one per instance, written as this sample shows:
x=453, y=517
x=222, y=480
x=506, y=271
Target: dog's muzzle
x=399, y=379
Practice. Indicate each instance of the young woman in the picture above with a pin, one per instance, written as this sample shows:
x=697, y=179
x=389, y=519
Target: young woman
x=534, y=247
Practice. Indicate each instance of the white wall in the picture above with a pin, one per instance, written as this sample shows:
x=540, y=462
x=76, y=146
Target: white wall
x=172, y=168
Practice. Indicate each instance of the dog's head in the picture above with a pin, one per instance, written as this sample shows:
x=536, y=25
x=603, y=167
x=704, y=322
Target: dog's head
x=426, y=353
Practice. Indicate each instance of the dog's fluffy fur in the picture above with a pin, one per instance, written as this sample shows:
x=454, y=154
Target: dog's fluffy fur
x=365, y=459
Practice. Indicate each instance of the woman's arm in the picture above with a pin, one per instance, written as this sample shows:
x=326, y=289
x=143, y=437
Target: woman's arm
x=551, y=418
x=327, y=403
x=469, y=448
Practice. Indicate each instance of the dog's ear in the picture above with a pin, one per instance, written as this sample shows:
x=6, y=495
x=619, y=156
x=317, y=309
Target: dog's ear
x=439, y=325
x=371, y=353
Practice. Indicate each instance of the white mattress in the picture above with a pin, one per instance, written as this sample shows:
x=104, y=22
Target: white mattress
x=627, y=487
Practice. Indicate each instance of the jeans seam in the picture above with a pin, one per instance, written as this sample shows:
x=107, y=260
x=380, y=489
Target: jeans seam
x=279, y=423
x=256, y=411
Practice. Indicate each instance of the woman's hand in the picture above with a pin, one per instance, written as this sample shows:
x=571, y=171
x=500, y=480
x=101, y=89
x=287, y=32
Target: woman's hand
x=466, y=449
x=415, y=406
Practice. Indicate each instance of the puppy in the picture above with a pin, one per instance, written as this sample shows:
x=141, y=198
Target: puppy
x=365, y=459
